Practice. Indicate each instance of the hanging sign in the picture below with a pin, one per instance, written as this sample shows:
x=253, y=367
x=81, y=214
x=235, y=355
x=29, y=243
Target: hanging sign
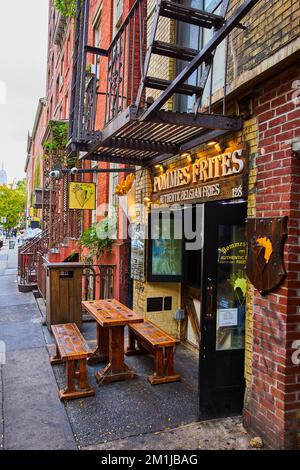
x=266, y=237
x=209, y=178
x=82, y=196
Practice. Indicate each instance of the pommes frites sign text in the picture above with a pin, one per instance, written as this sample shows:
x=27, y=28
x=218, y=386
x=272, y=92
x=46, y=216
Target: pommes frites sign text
x=207, y=179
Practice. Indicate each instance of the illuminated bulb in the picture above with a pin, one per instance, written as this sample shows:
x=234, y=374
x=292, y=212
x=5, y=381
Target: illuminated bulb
x=185, y=155
x=159, y=167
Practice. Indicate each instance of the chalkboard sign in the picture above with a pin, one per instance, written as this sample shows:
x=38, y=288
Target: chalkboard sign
x=138, y=231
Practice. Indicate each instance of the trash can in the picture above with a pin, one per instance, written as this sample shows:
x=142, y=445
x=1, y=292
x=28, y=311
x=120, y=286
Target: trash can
x=63, y=293
x=11, y=244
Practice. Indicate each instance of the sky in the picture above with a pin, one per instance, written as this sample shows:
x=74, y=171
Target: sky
x=23, y=57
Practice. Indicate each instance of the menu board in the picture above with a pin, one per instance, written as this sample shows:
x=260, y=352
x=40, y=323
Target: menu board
x=138, y=251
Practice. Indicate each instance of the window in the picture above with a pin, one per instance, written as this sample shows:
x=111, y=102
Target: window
x=67, y=105
x=57, y=91
x=118, y=12
x=62, y=68
x=97, y=41
x=68, y=51
x=195, y=37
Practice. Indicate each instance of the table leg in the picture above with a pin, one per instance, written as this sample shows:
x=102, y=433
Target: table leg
x=116, y=370
x=101, y=352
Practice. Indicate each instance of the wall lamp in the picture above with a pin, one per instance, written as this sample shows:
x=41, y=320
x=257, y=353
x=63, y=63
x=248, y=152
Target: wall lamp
x=219, y=146
x=188, y=156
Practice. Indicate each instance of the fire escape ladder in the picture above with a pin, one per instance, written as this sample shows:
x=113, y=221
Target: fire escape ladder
x=178, y=12
x=197, y=59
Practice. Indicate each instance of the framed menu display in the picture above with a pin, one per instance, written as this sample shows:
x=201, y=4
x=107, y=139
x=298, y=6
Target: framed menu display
x=165, y=252
x=138, y=232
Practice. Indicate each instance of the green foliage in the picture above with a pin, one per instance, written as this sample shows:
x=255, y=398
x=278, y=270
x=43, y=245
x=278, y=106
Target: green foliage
x=59, y=136
x=12, y=203
x=98, y=238
x=67, y=8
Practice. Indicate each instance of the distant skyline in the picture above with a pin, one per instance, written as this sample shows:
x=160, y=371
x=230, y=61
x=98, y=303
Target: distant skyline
x=23, y=58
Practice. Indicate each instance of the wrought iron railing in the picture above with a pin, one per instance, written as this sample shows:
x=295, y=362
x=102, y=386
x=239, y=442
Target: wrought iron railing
x=41, y=274
x=125, y=61
x=102, y=274
x=97, y=282
x=28, y=258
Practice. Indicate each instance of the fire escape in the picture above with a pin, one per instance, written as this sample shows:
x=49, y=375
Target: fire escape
x=137, y=129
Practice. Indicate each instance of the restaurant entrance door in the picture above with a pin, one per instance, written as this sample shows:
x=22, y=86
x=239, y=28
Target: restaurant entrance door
x=223, y=304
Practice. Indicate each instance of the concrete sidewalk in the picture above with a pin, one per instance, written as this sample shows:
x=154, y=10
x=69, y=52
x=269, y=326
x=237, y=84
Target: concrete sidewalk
x=33, y=416
x=125, y=415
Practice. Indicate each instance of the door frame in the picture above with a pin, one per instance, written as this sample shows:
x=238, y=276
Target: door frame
x=210, y=403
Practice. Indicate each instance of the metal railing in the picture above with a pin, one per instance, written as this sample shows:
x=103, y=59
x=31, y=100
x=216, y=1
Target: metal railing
x=97, y=280
x=98, y=273
x=125, y=62
x=41, y=275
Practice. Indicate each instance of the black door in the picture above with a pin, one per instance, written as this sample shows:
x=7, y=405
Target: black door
x=223, y=296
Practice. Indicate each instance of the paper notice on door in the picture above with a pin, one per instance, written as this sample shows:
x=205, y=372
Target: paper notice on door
x=228, y=317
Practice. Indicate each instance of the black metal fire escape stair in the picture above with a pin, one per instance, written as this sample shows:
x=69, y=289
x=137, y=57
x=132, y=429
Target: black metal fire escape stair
x=140, y=133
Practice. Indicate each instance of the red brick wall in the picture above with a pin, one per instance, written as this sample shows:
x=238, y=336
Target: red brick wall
x=273, y=409
x=59, y=67
x=118, y=256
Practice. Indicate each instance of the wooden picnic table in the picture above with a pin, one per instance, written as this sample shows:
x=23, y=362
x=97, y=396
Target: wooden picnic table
x=111, y=317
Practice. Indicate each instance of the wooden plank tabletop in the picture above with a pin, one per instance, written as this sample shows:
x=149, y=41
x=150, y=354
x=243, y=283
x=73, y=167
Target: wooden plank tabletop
x=111, y=312
x=70, y=341
x=154, y=335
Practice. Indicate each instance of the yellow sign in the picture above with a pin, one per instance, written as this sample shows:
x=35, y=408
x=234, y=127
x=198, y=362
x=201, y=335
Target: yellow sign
x=82, y=196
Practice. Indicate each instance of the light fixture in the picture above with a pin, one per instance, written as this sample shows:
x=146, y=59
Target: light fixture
x=159, y=167
x=147, y=201
x=219, y=146
x=185, y=154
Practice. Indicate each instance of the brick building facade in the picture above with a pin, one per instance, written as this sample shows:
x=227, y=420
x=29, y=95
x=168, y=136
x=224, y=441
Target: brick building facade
x=268, y=47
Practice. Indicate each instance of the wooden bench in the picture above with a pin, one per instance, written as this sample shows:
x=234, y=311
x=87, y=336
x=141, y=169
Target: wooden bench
x=72, y=349
x=153, y=339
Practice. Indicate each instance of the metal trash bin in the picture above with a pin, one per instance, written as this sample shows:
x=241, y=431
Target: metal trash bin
x=11, y=244
x=63, y=293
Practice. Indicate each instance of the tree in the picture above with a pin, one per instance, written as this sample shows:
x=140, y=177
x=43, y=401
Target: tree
x=12, y=203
